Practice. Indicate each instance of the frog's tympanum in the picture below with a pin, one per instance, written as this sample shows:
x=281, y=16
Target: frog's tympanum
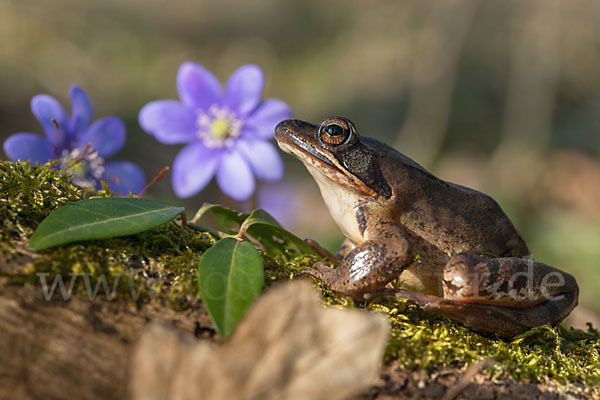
x=453, y=249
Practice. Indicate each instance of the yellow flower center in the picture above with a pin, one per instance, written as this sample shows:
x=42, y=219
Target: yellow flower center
x=220, y=128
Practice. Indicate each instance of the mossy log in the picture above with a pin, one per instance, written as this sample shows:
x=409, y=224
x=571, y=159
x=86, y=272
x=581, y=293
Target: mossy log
x=81, y=348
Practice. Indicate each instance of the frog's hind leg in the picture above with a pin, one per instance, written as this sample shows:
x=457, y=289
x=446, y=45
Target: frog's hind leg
x=507, y=296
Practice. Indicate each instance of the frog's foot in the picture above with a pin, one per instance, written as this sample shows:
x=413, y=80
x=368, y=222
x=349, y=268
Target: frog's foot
x=337, y=280
x=412, y=297
x=505, y=321
x=319, y=271
x=325, y=274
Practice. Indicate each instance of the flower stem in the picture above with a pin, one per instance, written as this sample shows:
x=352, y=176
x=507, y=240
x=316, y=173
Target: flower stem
x=158, y=177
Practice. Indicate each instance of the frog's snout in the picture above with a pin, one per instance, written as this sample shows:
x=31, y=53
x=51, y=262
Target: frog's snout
x=281, y=129
x=294, y=127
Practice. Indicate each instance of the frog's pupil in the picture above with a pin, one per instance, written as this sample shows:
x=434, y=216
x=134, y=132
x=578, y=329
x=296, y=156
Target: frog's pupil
x=334, y=130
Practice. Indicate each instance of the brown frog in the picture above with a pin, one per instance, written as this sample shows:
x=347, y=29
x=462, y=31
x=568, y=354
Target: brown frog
x=453, y=248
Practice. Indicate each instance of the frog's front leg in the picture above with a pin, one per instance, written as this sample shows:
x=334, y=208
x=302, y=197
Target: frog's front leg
x=326, y=254
x=507, y=296
x=369, y=266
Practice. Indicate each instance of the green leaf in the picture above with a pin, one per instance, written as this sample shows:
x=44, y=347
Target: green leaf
x=100, y=218
x=276, y=240
x=227, y=219
x=260, y=216
x=230, y=277
x=261, y=226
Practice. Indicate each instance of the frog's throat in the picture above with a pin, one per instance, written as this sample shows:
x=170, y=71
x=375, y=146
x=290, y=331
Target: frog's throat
x=312, y=157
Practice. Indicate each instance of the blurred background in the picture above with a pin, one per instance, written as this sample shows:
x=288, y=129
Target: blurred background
x=503, y=96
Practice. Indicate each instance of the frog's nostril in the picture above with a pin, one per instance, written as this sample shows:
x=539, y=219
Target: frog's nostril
x=290, y=126
x=281, y=128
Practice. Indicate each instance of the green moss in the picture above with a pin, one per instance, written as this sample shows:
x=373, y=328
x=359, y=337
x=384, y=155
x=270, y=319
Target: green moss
x=161, y=264
x=29, y=194
x=424, y=340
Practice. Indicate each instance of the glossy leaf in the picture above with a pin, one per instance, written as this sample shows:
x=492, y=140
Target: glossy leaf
x=100, y=218
x=230, y=277
x=276, y=240
x=228, y=220
x=260, y=216
x=261, y=226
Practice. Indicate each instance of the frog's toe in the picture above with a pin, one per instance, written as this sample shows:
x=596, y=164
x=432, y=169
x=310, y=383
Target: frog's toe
x=321, y=272
x=425, y=301
x=310, y=272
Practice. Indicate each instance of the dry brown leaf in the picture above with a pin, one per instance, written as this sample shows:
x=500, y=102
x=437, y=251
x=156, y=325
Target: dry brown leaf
x=289, y=346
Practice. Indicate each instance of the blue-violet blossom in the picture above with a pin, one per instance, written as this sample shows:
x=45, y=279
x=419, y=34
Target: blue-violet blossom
x=69, y=144
x=226, y=130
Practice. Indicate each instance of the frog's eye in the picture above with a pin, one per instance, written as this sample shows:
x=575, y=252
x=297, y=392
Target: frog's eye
x=335, y=131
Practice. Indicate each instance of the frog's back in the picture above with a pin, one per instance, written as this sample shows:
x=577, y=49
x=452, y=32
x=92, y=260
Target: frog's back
x=452, y=217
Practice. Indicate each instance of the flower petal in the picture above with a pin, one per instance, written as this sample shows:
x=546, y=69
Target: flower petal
x=107, y=136
x=28, y=146
x=243, y=89
x=45, y=108
x=169, y=121
x=193, y=168
x=81, y=115
x=198, y=88
x=130, y=176
x=282, y=200
x=262, y=122
x=234, y=176
x=263, y=158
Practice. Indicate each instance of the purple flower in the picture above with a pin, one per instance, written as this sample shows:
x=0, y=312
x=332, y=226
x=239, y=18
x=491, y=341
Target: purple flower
x=282, y=200
x=69, y=145
x=226, y=130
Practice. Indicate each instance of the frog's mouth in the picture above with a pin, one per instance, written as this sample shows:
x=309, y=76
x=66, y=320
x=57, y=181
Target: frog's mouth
x=310, y=149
